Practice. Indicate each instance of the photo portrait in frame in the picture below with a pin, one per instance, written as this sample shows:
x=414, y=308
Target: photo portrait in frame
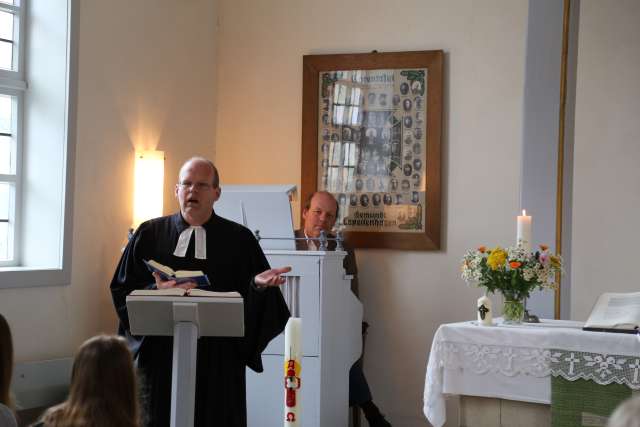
x=371, y=136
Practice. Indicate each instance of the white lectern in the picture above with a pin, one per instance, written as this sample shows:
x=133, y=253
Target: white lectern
x=331, y=342
x=187, y=319
x=331, y=314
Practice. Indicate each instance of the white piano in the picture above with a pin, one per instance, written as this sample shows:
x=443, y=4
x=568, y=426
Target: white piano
x=331, y=318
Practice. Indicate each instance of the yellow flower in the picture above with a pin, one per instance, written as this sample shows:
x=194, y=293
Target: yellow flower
x=497, y=258
x=555, y=261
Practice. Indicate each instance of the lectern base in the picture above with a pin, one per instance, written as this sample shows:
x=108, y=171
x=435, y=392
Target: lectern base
x=183, y=374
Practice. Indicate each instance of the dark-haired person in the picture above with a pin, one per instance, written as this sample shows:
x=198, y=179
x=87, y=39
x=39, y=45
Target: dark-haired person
x=103, y=390
x=7, y=417
x=197, y=239
x=319, y=214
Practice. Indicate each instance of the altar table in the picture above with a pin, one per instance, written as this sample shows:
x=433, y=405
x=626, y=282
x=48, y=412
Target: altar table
x=516, y=362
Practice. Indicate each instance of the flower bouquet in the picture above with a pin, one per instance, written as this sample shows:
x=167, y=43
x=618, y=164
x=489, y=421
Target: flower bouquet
x=513, y=271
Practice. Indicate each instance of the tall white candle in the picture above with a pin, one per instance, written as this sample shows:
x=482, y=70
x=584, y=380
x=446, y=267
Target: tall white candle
x=524, y=230
x=292, y=370
x=485, y=311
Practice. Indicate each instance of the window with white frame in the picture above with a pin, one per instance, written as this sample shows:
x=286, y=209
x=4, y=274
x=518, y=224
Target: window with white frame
x=38, y=50
x=12, y=86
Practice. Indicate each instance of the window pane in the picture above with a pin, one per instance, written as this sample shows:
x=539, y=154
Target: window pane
x=6, y=55
x=6, y=25
x=4, y=241
x=338, y=114
x=13, y=2
x=5, y=229
x=342, y=93
x=6, y=157
x=355, y=98
x=4, y=200
x=5, y=114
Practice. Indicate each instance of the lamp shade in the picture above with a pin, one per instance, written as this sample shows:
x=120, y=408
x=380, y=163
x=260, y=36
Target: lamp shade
x=148, y=186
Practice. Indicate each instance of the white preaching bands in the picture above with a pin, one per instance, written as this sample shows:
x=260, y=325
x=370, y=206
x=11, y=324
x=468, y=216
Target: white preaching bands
x=185, y=237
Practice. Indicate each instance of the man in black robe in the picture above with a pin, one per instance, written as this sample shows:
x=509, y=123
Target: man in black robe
x=320, y=213
x=197, y=239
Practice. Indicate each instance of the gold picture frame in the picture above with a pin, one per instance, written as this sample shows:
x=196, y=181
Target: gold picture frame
x=371, y=135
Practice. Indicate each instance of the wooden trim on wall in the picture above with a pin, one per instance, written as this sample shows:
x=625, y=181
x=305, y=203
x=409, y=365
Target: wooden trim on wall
x=561, y=134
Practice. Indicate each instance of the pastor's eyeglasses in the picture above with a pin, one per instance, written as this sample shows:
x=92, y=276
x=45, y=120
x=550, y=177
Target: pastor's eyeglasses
x=199, y=186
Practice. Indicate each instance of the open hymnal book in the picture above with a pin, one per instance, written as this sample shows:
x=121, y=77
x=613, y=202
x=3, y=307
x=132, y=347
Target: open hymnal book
x=178, y=292
x=180, y=276
x=615, y=312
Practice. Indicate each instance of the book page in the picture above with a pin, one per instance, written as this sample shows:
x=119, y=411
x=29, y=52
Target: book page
x=203, y=293
x=160, y=267
x=188, y=273
x=616, y=310
x=174, y=292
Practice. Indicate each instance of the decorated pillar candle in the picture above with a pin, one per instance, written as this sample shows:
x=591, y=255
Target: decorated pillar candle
x=292, y=367
x=485, y=311
x=524, y=230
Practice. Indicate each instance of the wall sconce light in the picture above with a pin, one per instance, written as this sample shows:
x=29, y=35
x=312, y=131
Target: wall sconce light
x=148, y=186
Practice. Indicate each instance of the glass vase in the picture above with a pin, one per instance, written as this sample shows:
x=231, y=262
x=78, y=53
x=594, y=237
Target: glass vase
x=513, y=311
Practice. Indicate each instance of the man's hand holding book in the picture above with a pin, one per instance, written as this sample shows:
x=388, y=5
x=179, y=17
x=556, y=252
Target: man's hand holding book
x=166, y=284
x=167, y=278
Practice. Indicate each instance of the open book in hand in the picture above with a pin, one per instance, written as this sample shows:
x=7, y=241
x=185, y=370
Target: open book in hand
x=615, y=312
x=180, y=276
x=178, y=292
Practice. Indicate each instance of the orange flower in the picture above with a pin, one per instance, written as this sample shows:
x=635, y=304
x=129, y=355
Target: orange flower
x=515, y=264
x=482, y=249
x=544, y=247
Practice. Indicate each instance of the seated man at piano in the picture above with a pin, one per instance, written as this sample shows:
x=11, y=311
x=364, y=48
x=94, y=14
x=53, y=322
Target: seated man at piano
x=320, y=213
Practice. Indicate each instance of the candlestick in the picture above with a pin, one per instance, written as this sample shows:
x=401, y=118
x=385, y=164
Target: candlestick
x=485, y=312
x=524, y=230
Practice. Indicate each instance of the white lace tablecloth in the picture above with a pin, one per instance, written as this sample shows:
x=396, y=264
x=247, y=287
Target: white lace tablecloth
x=516, y=362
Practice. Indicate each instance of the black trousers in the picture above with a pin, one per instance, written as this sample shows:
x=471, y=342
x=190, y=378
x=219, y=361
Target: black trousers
x=359, y=392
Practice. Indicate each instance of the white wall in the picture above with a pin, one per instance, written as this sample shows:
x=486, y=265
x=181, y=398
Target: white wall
x=146, y=72
x=607, y=153
x=406, y=295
